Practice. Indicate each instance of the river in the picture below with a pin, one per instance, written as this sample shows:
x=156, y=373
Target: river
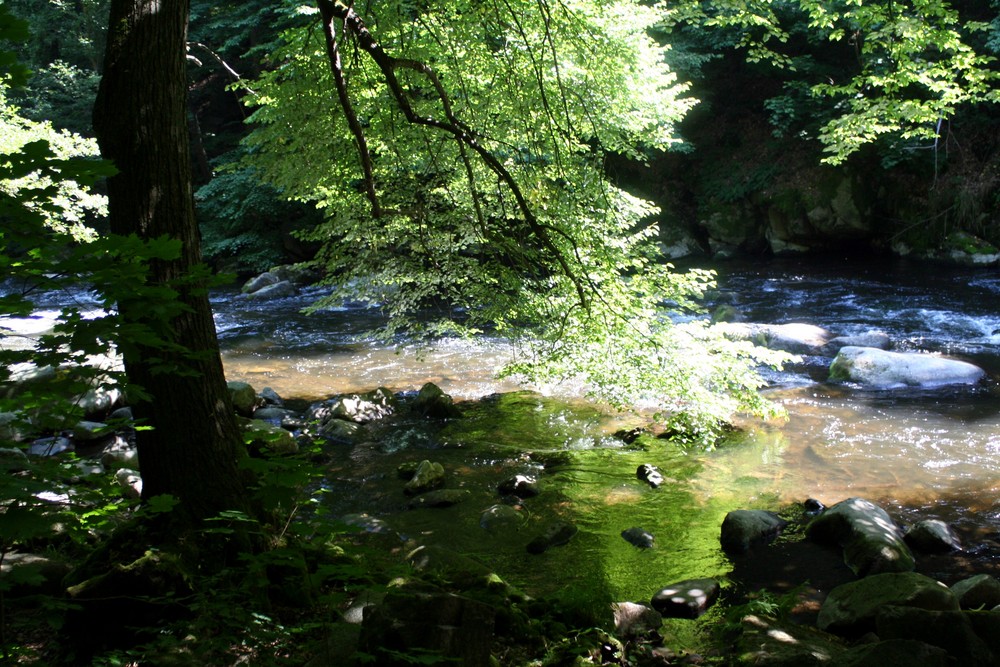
x=917, y=453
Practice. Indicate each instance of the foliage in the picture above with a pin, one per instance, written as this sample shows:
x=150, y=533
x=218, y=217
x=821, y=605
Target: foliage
x=244, y=220
x=60, y=94
x=68, y=206
x=494, y=212
x=912, y=64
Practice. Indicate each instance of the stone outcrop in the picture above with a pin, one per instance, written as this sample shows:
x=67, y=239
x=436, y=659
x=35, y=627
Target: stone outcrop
x=741, y=529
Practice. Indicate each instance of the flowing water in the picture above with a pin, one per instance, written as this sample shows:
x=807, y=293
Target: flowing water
x=918, y=453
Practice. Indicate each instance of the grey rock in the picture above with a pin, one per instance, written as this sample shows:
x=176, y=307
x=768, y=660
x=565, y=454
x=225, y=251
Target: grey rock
x=893, y=653
x=948, y=630
x=794, y=337
x=883, y=369
x=259, y=282
x=876, y=339
x=130, y=483
x=649, y=474
x=278, y=290
x=772, y=643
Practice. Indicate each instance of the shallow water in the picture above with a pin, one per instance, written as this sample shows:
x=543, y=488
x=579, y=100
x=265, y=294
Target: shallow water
x=918, y=453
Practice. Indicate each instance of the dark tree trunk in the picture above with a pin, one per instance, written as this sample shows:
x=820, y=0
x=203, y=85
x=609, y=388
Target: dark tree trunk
x=140, y=122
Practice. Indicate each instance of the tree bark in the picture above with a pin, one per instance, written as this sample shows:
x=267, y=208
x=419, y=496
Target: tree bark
x=139, y=118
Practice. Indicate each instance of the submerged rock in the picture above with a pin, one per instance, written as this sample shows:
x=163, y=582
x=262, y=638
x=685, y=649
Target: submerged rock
x=887, y=370
x=428, y=476
x=521, y=486
x=639, y=537
x=649, y=474
x=500, y=517
x=556, y=534
x=440, y=498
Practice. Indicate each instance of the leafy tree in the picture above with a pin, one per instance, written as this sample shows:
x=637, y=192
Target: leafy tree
x=461, y=173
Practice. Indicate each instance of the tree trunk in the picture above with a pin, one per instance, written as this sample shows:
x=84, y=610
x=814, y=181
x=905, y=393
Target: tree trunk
x=139, y=118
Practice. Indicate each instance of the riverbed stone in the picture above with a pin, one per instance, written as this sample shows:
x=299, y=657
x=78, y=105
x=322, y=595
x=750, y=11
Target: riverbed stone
x=363, y=408
x=933, y=536
x=340, y=430
x=121, y=453
x=871, y=540
x=742, y=529
x=429, y=475
x=686, y=599
x=794, y=337
x=981, y=591
x=884, y=369
x=440, y=498
x=851, y=610
x=433, y=403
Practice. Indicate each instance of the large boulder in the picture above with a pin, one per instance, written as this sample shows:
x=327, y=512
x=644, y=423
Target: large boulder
x=359, y=408
x=429, y=475
x=775, y=643
x=871, y=540
x=933, y=536
x=852, y=609
x=883, y=369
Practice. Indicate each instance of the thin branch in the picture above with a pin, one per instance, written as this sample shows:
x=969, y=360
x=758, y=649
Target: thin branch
x=388, y=65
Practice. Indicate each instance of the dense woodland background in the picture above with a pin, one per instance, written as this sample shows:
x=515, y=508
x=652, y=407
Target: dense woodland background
x=748, y=177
